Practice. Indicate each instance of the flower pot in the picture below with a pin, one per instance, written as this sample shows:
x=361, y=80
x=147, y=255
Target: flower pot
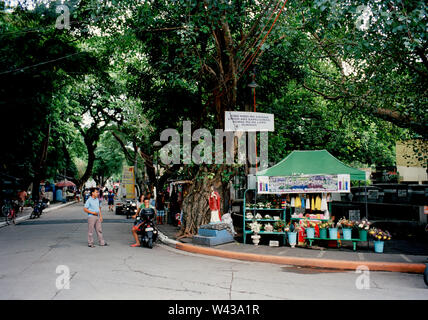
x=363, y=235
x=292, y=238
x=378, y=246
x=332, y=233
x=323, y=233
x=310, y=233
x=347, y=233
x=256, y=239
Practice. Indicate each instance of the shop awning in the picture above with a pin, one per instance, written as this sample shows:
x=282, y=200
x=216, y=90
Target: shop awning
x=312, y=162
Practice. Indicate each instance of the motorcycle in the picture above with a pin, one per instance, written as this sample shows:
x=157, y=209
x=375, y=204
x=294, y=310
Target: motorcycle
x=130, y=208
x=147, y=231
x=38, y=208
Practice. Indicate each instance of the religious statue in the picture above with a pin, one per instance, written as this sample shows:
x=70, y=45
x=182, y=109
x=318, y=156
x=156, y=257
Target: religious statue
x=214, y=203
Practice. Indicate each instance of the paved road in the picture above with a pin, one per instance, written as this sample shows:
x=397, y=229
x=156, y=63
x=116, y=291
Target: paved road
x=31, y=252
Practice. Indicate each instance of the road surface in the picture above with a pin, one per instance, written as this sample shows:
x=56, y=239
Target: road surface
x=48, y=258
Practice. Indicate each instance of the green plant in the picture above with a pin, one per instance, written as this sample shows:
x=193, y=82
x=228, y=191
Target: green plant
x=279, y=225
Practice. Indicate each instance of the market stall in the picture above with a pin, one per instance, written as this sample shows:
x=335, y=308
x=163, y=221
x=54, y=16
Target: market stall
x=298, y=188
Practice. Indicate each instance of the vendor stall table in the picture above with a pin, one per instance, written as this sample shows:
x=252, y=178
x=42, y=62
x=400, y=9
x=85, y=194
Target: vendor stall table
x=274, y=211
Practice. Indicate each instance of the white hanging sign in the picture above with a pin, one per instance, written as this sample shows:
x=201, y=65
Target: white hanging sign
x=249, y=121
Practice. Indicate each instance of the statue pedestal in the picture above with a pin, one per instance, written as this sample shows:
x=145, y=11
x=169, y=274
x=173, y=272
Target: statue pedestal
x=213, y=234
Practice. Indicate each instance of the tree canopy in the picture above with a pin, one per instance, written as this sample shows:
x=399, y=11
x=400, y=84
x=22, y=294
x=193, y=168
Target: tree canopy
x=346, y=76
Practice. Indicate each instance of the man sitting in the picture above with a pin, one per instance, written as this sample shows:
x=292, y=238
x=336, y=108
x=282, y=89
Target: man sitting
x=144, y=209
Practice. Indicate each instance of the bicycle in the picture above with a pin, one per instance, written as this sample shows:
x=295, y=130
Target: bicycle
x=9, y=211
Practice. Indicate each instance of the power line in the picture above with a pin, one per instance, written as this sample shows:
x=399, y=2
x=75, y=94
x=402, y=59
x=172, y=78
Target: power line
x=39, y=64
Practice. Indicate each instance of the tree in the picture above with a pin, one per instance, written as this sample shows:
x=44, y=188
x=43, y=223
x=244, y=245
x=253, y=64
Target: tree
x=108, y=159
x=36, y=59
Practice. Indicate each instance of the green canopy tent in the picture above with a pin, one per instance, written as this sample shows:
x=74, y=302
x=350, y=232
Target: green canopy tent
x=312, y=162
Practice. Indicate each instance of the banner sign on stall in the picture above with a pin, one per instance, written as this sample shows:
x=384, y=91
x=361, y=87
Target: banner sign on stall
x=128, y=181
x=304, y=184
x=248, y=121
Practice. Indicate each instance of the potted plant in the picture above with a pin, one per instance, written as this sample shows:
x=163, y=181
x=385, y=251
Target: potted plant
x=268, y=217
x=268, y=205
x=363, y=227
x=346, y=226
x=255, y=228
x=291, y=230
x=332, y=230
x=260, y=205
x=279, y=225
x=323, y=230
x=309, y=228
x=379, y=236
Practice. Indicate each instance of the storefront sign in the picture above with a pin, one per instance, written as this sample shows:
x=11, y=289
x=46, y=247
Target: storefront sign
x=304, y=184
x=248, y=121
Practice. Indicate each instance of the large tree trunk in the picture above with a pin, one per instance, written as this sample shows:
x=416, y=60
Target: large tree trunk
x=195, y=205
x=40, y=171
x=91, y=145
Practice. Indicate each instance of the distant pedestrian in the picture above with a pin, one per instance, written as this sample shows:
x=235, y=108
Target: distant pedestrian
x=160, y=208
x=110, y=198
x=100, y=194
x=93, y=209
x=152, y=201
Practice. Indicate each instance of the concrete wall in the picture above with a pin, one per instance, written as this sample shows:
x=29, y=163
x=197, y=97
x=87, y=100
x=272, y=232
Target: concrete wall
x=412, y=173
x=411, y=160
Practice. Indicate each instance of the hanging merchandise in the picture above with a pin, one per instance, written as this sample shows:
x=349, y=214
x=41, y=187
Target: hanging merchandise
x=292, y=202
x=308, y=202
x=303, y=203
x=318, y=203
x=326, y=214
x=283, y=204
x=313, y=203
x=324, y=202
x=298, y=203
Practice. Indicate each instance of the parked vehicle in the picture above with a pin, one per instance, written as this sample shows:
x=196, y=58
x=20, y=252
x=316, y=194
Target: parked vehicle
x=148, y=231
x=38, y=208
x=131, y=208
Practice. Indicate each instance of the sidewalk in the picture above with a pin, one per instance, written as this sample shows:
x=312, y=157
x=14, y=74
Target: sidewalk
x=398, y=256
x=25, y=214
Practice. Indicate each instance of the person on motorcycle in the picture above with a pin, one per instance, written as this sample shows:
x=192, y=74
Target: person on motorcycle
x=144, y=209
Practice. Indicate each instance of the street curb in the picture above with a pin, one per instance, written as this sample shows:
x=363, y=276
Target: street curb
x=20, y=219
x=163, y=238
x=301, y=262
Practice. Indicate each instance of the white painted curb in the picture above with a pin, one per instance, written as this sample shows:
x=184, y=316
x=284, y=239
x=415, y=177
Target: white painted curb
x=163, y=238
x=20, y=219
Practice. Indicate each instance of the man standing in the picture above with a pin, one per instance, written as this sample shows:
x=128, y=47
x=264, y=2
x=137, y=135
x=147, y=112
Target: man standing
x=93, y=209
